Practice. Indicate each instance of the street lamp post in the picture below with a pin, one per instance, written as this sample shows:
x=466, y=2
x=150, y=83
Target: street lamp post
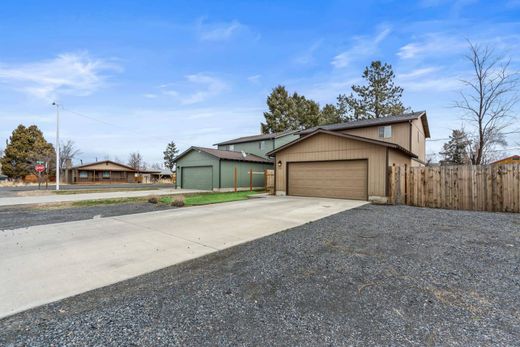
x=57, y=145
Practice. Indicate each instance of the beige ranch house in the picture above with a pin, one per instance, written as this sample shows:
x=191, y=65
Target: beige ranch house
x=350, y=160
x=105, y=171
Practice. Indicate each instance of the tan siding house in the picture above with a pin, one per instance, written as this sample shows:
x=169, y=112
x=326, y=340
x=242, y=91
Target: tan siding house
x=350, y=160
x=101, y=172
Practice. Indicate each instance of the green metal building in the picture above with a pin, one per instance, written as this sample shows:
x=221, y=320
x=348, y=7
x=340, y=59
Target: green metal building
x=214, y=169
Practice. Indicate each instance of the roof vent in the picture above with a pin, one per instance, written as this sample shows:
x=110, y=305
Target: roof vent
x=244, y=154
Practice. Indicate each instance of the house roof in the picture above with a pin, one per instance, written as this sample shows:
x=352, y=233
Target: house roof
x=514, y=157
x=253, y=138
x=226, y=155
x=373, y=122
x=102, y=162
x=347, y=136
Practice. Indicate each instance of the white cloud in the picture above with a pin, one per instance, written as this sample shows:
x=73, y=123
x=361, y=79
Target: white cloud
x=432, y=45
x=307, y=57
x=195, y=89
x=68, y=73
x=428, y=79
x=150, y=96
x=364, y=46
x=218, y=31
x=255, y=79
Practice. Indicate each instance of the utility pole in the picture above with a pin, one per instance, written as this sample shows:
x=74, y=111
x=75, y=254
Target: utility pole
x=57, y=145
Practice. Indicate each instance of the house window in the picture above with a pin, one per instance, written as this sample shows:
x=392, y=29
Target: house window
x=385, y=132
x=231, y=147
x=106, y=174
x=261, y=145
x=83, y=174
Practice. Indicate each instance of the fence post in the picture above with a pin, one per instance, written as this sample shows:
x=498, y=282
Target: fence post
x=235, y=179
x=250, y=180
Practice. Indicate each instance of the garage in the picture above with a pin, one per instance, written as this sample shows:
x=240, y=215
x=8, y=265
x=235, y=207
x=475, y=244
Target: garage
x=345, y=179
x=197, y=177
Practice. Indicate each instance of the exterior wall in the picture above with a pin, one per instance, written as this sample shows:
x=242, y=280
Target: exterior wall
x=328, y=147
x=195, y=158
x=418, y=139
x=73, y=176
x=252, y=147
x=398, y=158
x=227, y=168
x=282, y=140
x=400, y=134
x=416, y=163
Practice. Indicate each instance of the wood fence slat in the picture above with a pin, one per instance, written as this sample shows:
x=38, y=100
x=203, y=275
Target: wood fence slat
x=478, y=188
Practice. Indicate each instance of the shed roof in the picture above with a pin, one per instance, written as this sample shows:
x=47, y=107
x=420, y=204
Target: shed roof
x=373, y=122
x=253, y=138
x=347, y=136
x=226, y=155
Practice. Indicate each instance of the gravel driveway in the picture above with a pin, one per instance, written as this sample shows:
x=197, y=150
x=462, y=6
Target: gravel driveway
x=374, y=275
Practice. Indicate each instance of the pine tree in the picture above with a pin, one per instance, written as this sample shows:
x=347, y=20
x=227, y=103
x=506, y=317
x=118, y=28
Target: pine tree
x=26, y=146
x=455, y=151
x=169, y=155
x=295, y=112
x=379, y=98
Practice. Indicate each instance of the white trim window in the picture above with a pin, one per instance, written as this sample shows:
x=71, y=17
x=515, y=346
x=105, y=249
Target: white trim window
x=385, y=132
x=83, y=174
x=231, y=147
x=261, y=145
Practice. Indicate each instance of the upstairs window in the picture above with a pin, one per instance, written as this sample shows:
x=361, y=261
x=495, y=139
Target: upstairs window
x=231, y=147
x=261, y=145
x=385, y=132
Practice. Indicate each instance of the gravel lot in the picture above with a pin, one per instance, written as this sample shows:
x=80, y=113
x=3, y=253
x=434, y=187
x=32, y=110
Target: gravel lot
x=374, y=275
x=23, y=217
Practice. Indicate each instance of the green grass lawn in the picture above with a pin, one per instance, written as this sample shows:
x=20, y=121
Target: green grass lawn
x=210, y=198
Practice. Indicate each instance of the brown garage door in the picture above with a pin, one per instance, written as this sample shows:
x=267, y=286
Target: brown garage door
x=346, y=179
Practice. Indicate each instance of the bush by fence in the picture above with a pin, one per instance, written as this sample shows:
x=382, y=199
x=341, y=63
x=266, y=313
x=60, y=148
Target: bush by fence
x=466, y=187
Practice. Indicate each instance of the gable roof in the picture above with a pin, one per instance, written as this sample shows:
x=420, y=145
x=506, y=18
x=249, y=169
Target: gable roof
x=375, y=121
x=104, y=162
x=256, y=138
x=347, y=136
x=225, y=155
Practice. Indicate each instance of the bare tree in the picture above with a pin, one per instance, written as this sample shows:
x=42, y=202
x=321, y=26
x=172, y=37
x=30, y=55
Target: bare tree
x=136, y=161
x=68, y=151
x=488, y=101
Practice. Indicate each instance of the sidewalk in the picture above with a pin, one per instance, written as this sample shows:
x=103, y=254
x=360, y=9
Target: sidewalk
x=46, y=199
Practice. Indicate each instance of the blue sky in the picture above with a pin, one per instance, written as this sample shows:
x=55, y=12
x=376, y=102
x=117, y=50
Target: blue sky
x=133, y=75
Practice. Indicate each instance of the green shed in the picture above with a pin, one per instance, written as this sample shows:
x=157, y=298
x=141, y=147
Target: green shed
x=213, y=169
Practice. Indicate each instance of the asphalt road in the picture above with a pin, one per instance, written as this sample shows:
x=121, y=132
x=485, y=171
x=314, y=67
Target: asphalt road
x=14, y=217
x=13, y=191
x=374, y=275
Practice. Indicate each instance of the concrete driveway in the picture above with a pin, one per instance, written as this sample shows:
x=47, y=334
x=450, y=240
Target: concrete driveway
x=45, y=263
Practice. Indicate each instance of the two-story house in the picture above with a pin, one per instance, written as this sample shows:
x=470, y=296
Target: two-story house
x=350, y=160
x=237, y=163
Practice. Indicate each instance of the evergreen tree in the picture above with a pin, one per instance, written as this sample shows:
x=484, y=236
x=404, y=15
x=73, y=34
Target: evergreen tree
x=379, y=98
x=295, y=112
x=169, y=155
x=330, y=115
x=26, y=146
x=455, y=151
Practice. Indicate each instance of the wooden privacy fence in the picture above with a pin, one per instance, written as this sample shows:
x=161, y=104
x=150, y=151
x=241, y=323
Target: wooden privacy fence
x=465, y=187
x=269, y=181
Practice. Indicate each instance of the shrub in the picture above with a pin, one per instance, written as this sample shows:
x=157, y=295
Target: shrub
x=153, y=200
x=178, y=201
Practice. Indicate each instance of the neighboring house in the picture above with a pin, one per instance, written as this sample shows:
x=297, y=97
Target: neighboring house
x=105, y=171
x=258, y=144
x=350, y=160
x=219, y=170
x=514, y=159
